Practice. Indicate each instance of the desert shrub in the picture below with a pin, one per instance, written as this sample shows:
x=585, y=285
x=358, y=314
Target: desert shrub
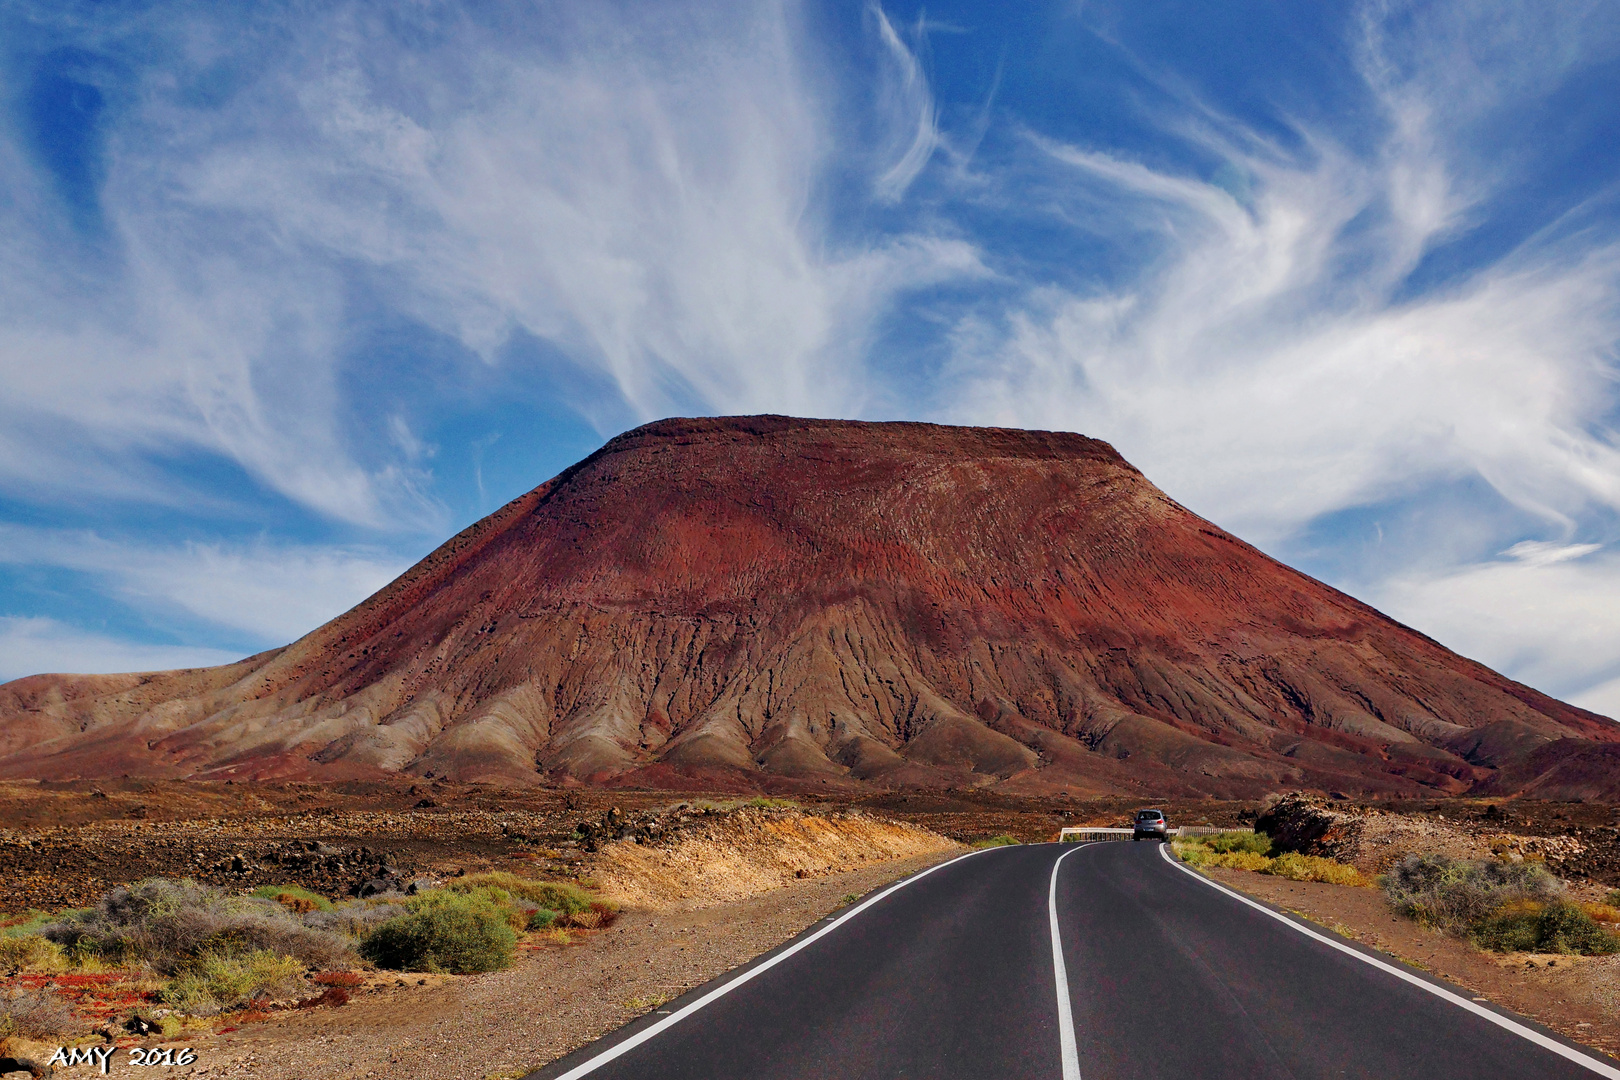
x=569, y=904
x=763, y=803
x=1197, y=853
x=295, y=898
x=514, y=910
x=1247, y=851
x=37, y=1014
x=1603, y=913
x=540, y=919
x=356, y=919
x=1460, y=894
x=1004, y=840
x=1613, y=899
x=1240, y=860
x=213, y=981
x=1296, y=867
x=30, y=953
x=443, y=930
x=169, y=923
x=558, y=896
x=1532, y=926
x=1232, y=842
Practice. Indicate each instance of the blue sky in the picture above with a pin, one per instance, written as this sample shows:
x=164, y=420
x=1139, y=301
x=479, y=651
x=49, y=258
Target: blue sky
x=289, y=293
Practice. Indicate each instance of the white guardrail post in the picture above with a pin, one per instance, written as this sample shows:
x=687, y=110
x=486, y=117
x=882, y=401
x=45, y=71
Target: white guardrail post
x=1083, y=832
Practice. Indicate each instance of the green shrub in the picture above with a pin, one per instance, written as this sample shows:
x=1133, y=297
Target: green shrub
x=294, y=898
x=443, y=930
x=570, y=905
x=1296, y=867
x=541, y=919
x=1460, y=894
x=763, y=803
x=1228, y=842
x=30, y=953
x=1004, y=840
x=1248, y=851
x=1557, y=927
x=216, y=981
x=170, y=923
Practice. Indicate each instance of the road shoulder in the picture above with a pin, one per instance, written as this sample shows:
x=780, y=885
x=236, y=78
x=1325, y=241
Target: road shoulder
x=1577, y=996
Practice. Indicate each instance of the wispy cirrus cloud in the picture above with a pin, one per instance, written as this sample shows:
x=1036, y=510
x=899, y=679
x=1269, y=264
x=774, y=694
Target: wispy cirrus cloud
x=1305, y=330
x=265, y=593
x=641, y=189
x=306, y=251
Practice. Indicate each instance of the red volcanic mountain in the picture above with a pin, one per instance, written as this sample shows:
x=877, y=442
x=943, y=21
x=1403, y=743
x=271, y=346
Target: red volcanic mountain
x=773, y=603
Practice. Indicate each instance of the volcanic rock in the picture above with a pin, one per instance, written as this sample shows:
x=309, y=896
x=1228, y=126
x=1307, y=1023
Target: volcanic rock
x=767, y=603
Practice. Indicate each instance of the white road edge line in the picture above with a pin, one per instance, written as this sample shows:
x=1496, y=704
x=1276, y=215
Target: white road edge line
x=1060, y=973
x=720, y=991
x=1438, y=991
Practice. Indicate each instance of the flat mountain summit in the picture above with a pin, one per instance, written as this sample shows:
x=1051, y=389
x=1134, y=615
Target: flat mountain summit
x=770, y=603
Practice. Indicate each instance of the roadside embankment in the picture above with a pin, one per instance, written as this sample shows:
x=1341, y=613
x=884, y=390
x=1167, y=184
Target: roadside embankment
x=705, y=888
x=751, y=851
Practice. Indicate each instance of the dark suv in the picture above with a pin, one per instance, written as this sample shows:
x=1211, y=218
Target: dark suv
x=1151, y=824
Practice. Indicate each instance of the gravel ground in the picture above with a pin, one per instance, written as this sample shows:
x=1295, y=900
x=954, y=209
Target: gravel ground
x=553, y=1000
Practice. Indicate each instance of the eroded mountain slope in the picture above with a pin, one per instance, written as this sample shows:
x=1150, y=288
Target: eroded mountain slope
x=773, y=602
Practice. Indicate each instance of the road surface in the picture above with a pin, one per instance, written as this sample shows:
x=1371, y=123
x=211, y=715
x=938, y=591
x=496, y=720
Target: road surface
x=953, y=975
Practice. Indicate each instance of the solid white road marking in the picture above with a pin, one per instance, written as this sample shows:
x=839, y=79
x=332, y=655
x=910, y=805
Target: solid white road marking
x=1438, y=991
x=720, y=991
x=1060, y=973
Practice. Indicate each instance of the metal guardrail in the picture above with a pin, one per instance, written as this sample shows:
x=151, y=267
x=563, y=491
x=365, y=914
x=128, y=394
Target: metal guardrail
x=1075, y=833
x=1070, y=835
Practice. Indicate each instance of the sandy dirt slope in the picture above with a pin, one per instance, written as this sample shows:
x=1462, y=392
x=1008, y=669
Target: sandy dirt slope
x=753, y=852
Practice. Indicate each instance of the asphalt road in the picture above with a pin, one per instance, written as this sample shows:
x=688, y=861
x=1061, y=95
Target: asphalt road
x=953, y=975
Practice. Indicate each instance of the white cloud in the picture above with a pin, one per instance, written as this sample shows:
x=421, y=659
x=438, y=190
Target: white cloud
x=271, y=593
x=1266, y=364
x=1603, y=698
x=1546, y=552
x=1549, y=621
x=1270, y=361
x=910, y=99
x=643, y=192
x=30, y=646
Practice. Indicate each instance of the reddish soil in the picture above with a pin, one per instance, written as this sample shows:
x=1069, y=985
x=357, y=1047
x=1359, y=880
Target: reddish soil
x=771, y=604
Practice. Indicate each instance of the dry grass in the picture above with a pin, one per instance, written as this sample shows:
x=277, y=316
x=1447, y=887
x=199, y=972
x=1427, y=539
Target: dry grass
x=1297, y=867
x=1603, y=913
x=37, y=1014
x=648, y=1001
x=214, y=982
x=31, y=954
x=747, y=854
x=1247, y=851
